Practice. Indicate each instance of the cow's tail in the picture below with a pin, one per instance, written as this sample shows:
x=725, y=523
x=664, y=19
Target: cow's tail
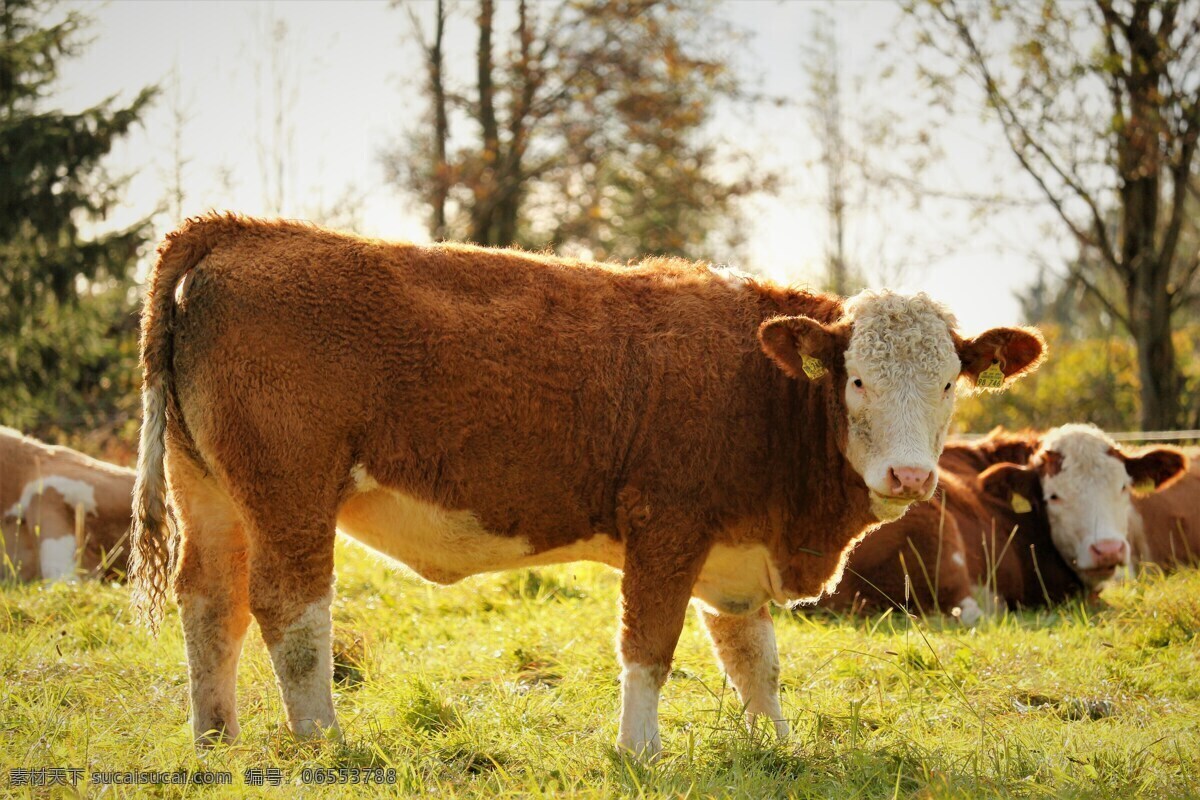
x=152, y=544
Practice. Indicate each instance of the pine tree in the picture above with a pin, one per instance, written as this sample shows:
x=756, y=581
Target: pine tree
x=66, y=305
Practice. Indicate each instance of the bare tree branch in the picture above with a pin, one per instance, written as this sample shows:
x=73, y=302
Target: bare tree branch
x=1095, y=291
x=1014, y=127
x=1184, y=292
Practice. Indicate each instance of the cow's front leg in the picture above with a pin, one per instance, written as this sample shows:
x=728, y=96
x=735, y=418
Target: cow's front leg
x=655, y=590
x=745, y=648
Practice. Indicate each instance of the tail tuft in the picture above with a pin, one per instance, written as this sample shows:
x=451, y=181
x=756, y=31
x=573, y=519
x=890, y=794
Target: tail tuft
x=152, y=557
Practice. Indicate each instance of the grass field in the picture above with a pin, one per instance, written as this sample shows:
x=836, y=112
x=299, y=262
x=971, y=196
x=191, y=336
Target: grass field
x=507, y=685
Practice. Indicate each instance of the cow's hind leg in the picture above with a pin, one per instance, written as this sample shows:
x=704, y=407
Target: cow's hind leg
x=745, y=648
x=211, y=586
x=291, y=591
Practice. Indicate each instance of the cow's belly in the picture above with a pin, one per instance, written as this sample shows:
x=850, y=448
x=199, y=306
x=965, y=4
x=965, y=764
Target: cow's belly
x=446, y=546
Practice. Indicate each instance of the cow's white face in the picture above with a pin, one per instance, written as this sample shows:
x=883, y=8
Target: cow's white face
x=1087, y=484
x=892, y=362
x=901, y=367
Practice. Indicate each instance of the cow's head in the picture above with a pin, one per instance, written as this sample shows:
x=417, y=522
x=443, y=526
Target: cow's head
x=1084, y=483
x=892, y=363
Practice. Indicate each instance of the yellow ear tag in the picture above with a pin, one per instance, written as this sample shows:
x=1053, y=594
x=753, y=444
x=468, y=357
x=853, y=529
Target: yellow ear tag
x=1144, y=487
x=1020, y=504
x=813, y=367
x=991, y=378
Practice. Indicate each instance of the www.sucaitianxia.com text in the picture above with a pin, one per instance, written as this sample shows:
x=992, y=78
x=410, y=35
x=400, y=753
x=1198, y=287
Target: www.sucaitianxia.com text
x=251, y=776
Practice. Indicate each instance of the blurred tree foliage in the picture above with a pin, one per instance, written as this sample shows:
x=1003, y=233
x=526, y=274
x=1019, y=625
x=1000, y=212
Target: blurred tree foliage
x=1091, y=374
x=583, y=127
x=1100, y=104
x=68, y=358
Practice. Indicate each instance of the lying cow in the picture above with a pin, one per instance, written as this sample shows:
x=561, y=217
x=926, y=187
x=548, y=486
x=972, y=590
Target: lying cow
x=1106, y=508
x=969, y=537
x=1032, y=519
x=465, y=410
x=61, y=512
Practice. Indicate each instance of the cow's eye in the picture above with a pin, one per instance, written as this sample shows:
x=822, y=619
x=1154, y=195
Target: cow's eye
x=858, y=384
x=1054, y=498
x=947, y=388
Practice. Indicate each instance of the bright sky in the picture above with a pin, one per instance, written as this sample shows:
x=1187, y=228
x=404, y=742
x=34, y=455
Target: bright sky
x=352, y=78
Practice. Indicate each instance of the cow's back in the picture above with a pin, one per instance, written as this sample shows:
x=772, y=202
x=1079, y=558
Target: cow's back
x=999, y=446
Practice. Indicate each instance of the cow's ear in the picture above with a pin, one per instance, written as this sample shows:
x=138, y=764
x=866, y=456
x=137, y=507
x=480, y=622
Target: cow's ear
x=1015, y=485
x=1160, y=466
x=997, y=357
x=803, y=347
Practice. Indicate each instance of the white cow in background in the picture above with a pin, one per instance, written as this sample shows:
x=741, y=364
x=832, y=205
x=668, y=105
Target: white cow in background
x=61, y=512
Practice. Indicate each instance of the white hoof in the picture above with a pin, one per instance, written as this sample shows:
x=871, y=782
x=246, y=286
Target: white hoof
x=647, y=749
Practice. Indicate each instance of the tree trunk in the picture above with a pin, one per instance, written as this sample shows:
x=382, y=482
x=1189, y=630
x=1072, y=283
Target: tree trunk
x=441, y=126
x=509, y=178
x=482, y=211
x=1139, y=157
x=1150, y=322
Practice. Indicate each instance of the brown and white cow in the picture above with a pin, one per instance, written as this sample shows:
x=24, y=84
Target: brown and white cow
x=1033, y=518
x=971, y=539
x=464, y=410
x=1090, y=490
x=61, y=512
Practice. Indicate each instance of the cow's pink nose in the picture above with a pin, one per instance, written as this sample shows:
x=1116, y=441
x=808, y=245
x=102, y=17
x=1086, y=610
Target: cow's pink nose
x=910, y=481
x=1109, y=552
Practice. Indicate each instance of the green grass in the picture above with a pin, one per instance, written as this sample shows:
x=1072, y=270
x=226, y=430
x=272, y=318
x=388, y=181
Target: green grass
x=507, y=685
